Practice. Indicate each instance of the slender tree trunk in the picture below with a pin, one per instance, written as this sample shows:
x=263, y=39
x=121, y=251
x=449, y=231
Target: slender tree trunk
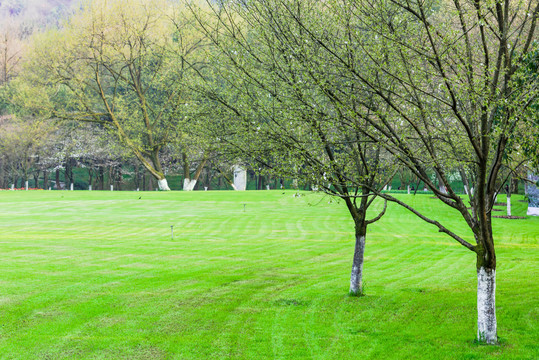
x=514, y=186
x=119, y=177
x=356, y=277
x=137, y=177
x=101, y=178
x=36, y=179
x=58, y=187
x=90, y=176
x=45, y=180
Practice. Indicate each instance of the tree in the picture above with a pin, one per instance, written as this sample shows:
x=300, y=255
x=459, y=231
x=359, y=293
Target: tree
x=10, y=50
x=441, y=85
x=281, y=121
x=122, y=65
x=22, y=142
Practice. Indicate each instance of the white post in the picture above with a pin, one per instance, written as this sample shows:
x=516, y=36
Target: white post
x=240, y=178
x=112, y=188
x=90, y=187
x=408, y=189
x=12, y=187
x=26, y=185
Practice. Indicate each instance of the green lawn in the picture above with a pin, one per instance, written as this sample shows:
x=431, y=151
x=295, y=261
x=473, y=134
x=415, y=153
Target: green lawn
x=96, y=275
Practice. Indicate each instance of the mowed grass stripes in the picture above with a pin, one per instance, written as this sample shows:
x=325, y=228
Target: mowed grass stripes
x=249, y=275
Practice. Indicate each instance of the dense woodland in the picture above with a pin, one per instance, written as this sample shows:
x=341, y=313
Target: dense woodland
x=347, y=97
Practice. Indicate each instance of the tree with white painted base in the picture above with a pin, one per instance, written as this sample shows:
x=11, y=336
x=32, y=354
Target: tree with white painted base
x=119, y=64
x=286, y=127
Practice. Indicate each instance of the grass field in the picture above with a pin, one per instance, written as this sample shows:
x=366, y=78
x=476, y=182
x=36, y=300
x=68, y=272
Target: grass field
x=96, y=275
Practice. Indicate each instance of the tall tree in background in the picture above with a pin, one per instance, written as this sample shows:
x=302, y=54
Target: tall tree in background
x=121, y=64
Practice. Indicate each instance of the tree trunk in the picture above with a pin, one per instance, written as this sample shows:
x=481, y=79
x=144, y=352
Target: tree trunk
x=101, y=178
x=90, y=176
x=45, y=180
x=514, y=186
x=163, y=184
x=356, y=277
x=119, y=177
x=58, y=187
x=486, y=282
x=486, y=305
x=189, y=184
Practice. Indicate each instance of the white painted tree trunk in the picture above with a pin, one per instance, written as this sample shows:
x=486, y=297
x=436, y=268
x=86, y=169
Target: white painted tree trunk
x=112, y=188
x=508, y=206
x=356, y=277
x=26, y=185
x=89, y=187
x=189, y=184
x=389, y=188
x=486, y=306
x=12, y=186
x=163, y=185
x=408, y=189
x=71, y=187
x=466, y=191
x=267, y=187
